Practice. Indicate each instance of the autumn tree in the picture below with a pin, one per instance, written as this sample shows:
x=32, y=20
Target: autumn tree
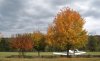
x=39, y=41
x=67, y=30
x=22, y=42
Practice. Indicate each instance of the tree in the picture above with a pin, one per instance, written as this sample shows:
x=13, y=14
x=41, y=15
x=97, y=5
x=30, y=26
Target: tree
x=1, y=36
x=22, y=42
x=39, y=41
x=98, y=42
x=93, y=41
x=67, y=31
x=4, y=44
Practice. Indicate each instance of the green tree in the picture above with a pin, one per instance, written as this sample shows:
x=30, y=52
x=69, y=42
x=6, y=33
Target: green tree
x=0, y=36
x=39, y=41
x=92, y=43
x=98, y=43
x=67, y=31
x=4, y=44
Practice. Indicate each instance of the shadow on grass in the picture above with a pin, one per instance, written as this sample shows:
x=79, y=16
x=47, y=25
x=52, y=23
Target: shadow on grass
x=17, y=56
x=55, y=56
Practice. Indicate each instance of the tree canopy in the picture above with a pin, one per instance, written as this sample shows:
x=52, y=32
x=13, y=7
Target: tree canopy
x=67, y=30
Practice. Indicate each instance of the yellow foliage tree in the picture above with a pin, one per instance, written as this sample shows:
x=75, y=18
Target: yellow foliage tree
x=39, y=41
x=67, y=30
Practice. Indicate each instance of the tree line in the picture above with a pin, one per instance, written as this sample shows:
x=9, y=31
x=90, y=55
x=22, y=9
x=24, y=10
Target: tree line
x=93, y=45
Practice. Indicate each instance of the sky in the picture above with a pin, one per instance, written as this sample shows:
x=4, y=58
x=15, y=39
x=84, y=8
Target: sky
x=22, y=16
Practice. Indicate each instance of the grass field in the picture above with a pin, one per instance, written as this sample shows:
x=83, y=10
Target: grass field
x=93, y=53
x=3, y=56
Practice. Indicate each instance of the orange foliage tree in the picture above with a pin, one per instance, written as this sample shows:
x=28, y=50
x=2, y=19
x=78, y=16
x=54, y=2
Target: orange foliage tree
x=67, y=30
x=22, y=42
x=39, y=41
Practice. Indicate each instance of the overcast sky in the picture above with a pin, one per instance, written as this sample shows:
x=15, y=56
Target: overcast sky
x=20, y=16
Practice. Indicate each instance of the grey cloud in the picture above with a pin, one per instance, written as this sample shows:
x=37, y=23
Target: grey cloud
x=92, y=13
x=39, y=13
x=9, y=11
x=19, y=16
x=95, y=4
x=93, y=9
x=56, y=2
x=11, y=7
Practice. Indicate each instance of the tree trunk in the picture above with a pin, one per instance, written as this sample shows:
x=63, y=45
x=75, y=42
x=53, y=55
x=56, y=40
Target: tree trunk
x=68, y=48
x=22, y=53
x=68, y=53
x=38, y=53
x=19, y=51
x=74, y=53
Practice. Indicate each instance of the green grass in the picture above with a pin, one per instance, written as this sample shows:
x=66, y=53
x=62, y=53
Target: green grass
x=3, y=56
x=41, y=53
x=93, y=53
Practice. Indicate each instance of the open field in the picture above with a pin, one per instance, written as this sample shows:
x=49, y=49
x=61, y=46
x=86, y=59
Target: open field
x=93, y=53
x=3, y=56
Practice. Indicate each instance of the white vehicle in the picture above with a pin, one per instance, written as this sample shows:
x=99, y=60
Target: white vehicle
x=71, y=52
